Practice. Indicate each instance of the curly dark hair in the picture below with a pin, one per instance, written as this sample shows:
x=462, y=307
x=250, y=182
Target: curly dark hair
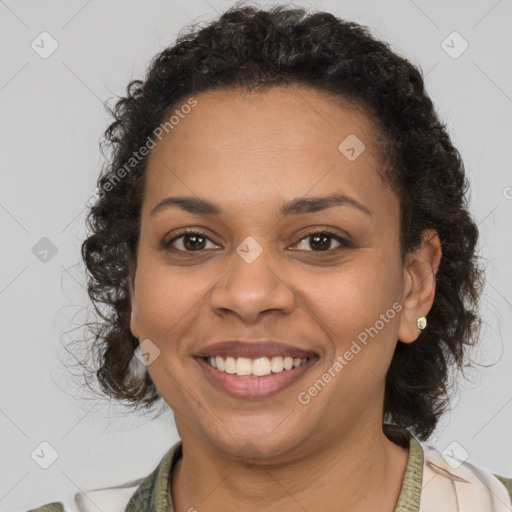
x=251, y=48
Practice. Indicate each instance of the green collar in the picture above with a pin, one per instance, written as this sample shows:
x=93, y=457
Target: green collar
x=152, y=494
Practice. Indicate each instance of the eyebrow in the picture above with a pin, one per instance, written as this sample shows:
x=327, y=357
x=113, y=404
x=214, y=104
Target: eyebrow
x=296, y=206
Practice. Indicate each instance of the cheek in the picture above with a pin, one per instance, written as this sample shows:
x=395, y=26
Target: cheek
x=356, y=302
x=167, y=298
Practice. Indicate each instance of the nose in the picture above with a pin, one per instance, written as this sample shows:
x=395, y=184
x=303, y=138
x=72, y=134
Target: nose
x=251, y=288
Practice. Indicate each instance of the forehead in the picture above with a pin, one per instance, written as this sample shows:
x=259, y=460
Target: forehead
x=292, y=140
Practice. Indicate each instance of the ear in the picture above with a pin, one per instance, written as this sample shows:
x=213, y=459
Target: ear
x=420, y=269
x=132, y=312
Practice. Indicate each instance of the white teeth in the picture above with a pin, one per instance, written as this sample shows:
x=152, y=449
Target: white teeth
x=220, y=363
x=276, y=364
x=230, y=366
x=259, y=367
x=243, y=366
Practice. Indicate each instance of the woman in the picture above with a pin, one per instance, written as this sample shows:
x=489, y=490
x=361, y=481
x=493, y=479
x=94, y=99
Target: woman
x=283, y=234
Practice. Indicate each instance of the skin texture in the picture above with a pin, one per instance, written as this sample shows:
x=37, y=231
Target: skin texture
x=250, y=153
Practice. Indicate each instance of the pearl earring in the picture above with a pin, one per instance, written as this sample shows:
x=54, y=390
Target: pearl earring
x=422, y=322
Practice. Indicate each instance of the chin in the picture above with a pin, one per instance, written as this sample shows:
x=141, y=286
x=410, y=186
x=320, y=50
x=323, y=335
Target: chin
x=258, y=442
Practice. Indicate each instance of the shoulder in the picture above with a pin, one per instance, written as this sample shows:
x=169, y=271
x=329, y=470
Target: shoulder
x=112, y=499
x=50, y=507
x=448, y=480
x=507, y=482
x=133, y=495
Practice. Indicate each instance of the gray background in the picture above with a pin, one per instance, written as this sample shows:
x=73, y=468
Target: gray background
x=51, y=120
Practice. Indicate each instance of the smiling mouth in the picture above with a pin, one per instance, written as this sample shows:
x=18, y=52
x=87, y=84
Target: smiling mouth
x=245, y=367
x=253, y=386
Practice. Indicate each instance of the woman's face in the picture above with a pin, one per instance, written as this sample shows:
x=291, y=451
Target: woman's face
x=260, y=274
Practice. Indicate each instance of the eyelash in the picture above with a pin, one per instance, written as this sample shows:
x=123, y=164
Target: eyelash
x=344, y=243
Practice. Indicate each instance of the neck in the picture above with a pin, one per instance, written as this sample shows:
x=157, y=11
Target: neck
x=355, y=472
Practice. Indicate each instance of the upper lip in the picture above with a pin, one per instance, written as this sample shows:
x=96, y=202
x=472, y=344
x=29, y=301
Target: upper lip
x=253, y=349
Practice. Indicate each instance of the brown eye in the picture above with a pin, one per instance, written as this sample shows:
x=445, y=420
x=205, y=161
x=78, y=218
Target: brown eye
x=321, y=241
x=189, y=241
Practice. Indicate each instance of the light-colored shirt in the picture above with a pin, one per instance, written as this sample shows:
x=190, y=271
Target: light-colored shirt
x=433, y=482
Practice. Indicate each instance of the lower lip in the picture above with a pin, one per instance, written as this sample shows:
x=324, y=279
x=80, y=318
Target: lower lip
x=254, y=387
